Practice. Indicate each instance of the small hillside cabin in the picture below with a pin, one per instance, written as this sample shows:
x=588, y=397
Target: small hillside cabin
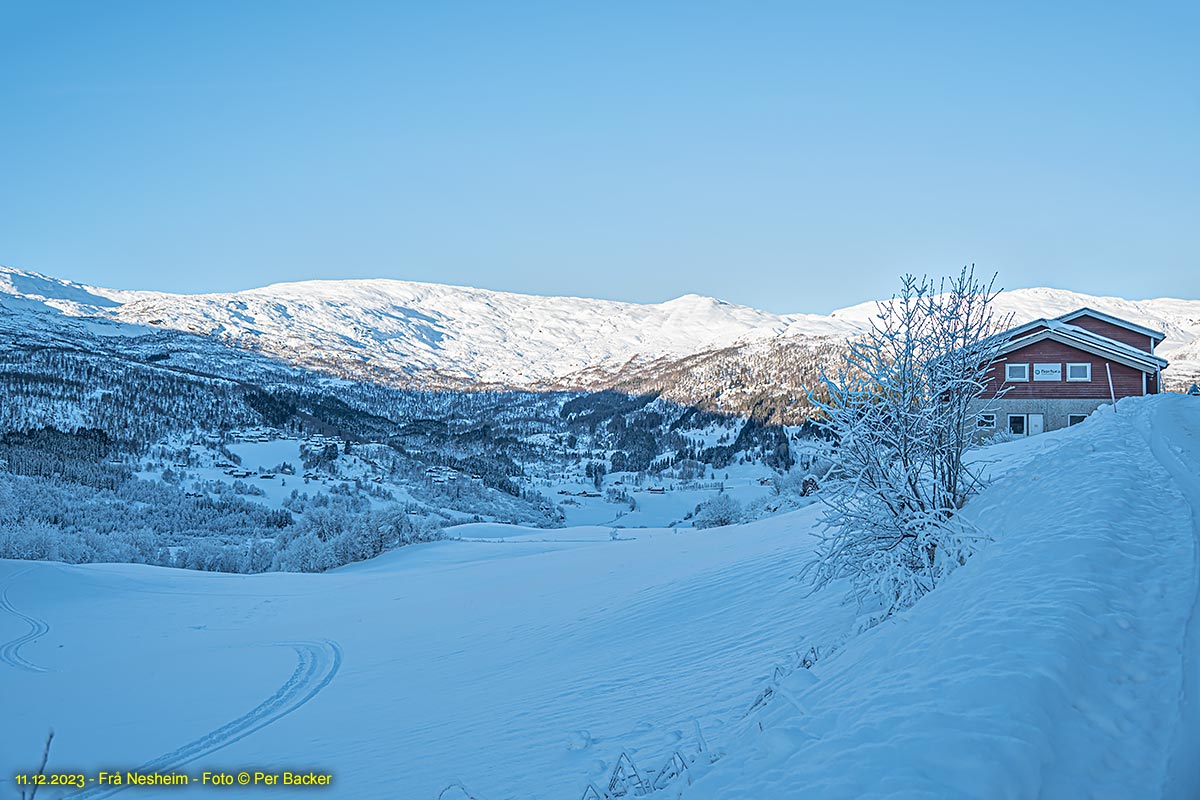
x=1052, y=373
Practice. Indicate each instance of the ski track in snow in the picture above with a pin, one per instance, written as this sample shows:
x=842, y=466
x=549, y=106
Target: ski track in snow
x=1183, y=770
x=10, y=651
x=317, y=663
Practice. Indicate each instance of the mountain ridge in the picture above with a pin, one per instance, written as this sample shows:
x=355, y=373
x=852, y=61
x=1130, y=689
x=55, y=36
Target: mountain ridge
x=451, y=336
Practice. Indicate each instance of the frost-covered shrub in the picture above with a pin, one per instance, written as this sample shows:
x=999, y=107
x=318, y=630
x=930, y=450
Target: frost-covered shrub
x=328, y=537
x=259, y=556
x=901, y=414
x=131, y=547
x=795, y=484
x=203, y=554
x=326, y=524
x=304, y=553
x=33, y=542
x=719, y=511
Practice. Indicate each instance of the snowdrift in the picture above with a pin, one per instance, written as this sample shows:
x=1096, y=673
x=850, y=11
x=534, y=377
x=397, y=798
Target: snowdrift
x=1058, y=663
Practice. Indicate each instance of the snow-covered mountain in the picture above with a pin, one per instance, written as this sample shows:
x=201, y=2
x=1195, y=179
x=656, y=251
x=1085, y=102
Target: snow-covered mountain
x=439, y=335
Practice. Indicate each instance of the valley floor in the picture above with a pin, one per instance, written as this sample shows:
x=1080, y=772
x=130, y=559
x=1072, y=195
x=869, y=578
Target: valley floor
x=1060, y=662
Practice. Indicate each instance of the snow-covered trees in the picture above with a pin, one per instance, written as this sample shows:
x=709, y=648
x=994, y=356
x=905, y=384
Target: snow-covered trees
x=304, y=553
x=596, y=471
x=332, y=536
x=145, y=522
x=901, y=414
x=719, y=511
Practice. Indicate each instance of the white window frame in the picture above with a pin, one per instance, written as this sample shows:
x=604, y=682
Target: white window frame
x=1070, y=417
x=987, y=421
x=1008, y=368
x=1086, y=364
x=1024, y=424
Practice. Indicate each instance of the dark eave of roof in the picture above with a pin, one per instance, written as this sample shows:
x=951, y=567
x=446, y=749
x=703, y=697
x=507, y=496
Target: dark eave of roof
x=1089, y=342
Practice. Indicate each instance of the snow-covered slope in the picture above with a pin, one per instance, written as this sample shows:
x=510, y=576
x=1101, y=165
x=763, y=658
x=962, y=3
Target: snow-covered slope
x=453, y=332
x=446, y=334
x=1060, y=662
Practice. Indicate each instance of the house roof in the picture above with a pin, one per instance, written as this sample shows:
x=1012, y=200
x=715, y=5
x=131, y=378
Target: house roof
x=1157, y=336
x=1081, y=339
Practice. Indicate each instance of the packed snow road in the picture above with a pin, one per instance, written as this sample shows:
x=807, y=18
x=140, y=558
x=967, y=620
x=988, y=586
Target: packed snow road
x=1060, y=662
x=1179, y=453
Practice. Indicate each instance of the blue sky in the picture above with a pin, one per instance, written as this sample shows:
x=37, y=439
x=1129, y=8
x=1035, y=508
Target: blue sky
x=792, y=156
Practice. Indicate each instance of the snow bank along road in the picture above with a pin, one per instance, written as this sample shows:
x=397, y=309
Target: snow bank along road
x=1059, y=663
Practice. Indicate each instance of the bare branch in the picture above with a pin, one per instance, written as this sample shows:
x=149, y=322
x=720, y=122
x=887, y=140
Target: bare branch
x=41, y=767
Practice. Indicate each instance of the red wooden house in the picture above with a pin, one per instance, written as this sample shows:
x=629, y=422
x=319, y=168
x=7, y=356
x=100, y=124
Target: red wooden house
x=1052, y=373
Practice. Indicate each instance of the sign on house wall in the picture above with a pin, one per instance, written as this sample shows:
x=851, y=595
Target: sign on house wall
x=1047, y=372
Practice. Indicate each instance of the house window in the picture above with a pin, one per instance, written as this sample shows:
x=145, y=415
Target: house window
x=1075, y=419
x=1016, y=373
x=1079, y=372
x=987, y=420
x=1016, y=424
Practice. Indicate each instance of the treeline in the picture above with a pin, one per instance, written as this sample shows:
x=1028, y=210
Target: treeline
x=767, y=381
x=145, y=522
x=137, y=403
x=134, y=404
x=650, y=433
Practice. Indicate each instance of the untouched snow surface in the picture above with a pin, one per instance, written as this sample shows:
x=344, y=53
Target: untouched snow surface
x=1060, y=662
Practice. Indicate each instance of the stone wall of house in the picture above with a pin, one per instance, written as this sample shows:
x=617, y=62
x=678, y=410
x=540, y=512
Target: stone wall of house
x=1053, y=410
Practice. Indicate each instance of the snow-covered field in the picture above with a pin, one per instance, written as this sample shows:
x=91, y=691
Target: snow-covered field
x=1061, y=662
x=748, y=484
x=521, y=667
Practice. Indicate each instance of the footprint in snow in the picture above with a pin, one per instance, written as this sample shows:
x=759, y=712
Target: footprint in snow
x=579, y=740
